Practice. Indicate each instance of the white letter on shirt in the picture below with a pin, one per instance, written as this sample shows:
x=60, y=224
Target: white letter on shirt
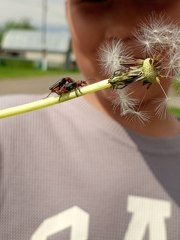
x=74, y=217
x=150, y=213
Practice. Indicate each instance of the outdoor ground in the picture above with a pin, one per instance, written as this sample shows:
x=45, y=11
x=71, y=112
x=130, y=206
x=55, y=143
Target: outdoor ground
x=34, y=85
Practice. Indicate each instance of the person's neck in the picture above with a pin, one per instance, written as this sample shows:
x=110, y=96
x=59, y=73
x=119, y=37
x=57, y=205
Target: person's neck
x=156, y=127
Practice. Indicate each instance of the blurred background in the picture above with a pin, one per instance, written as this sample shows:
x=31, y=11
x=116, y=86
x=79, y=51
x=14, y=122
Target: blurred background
x=35, y=46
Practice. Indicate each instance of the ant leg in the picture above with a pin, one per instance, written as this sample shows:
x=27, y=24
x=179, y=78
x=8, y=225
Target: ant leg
x=47, y=95
x=76, y=92
x=60, y=95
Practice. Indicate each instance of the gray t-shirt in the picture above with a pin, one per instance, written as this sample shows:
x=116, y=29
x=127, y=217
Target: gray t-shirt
x=68, y=172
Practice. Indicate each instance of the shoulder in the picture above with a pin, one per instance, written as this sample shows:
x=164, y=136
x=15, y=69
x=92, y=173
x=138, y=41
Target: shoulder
x=74, y=119
x=60, y=116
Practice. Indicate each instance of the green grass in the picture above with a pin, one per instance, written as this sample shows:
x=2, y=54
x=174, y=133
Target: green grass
x=17, y=68
x=176, y=85
x=18, y=72
x=175, y=111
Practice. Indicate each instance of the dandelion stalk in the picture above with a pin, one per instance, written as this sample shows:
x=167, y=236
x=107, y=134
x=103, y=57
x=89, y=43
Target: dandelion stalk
x=8, y=112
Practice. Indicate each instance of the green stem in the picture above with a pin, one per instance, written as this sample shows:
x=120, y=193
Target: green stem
x=8, y=112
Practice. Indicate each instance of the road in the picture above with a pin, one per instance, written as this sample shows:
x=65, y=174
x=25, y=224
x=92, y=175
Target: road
x=34, y=85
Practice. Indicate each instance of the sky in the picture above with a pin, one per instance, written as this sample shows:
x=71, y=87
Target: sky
x=32, y=10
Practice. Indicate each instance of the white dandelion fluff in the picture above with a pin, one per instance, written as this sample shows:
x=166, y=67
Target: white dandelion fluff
x=172, y=66
x=159, y=37
x=137, y=117
x=111, y=56
x=124, y=101
x=157, y=33
x=161, y=108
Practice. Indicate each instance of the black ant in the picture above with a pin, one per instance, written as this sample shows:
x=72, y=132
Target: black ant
x=65, y=85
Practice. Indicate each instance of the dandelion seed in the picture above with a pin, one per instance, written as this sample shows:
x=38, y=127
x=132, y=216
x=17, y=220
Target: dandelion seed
x=111, y=55
x=124, y=101
x=137, y=117
x=161, y=109
x=172, y=67
x=128, y=105
x=159, y=82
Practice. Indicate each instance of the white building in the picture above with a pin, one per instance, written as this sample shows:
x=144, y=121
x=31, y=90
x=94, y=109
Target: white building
x=34, y=45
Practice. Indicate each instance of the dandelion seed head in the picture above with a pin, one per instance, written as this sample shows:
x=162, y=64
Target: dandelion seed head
x=159, y=36
x=159, y=39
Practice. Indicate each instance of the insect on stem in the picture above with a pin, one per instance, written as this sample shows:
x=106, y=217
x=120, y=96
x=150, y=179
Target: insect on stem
x=65, y=85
